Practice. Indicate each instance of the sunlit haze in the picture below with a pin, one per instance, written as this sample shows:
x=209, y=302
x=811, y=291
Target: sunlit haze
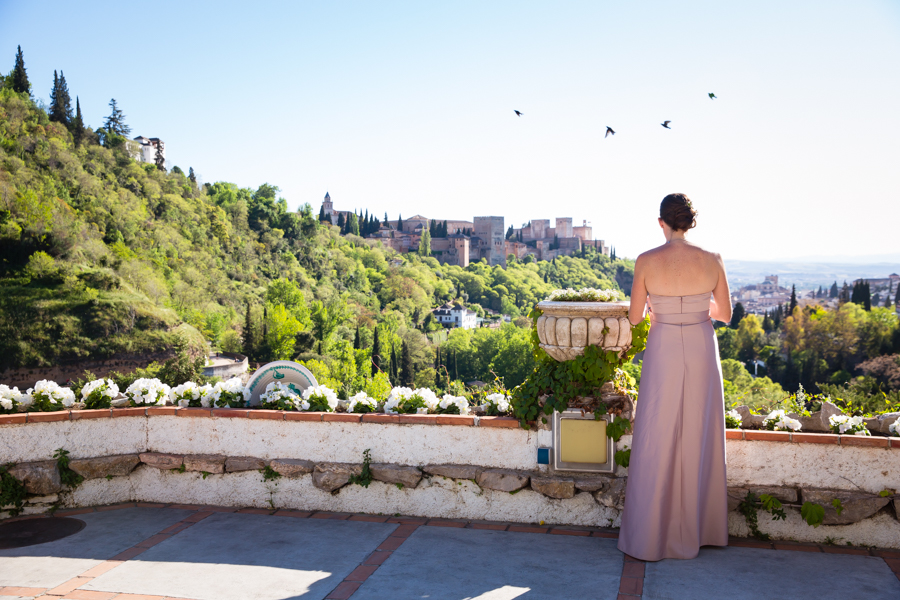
x=407, y=108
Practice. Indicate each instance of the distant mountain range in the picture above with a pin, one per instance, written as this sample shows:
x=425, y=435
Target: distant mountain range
x=812, y=271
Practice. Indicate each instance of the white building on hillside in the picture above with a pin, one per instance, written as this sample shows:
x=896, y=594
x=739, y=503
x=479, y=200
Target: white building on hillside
x=455, y=315
x=148, y=148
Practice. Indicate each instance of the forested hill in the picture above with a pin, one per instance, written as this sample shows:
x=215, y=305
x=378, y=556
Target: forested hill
x=103, y=254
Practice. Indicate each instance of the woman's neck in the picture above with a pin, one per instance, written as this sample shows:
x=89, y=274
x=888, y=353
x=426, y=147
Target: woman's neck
x=675, y=236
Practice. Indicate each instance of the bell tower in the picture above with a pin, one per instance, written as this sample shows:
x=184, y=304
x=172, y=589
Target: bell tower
x=328, y=207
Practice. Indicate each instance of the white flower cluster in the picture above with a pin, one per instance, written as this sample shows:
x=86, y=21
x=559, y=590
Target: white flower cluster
x=498, y=401
x=321, y=393
x=397, y=395
x=277, y=392
x=405, y=395
x=50, y=391
x=585, y=294
x=894, y=428
x=107, y=387
x=10, y=397
x=845, y=424
x=733, y=419
x=230, y=391
x=152, y=392
x=362, y=399
x=189, y=392
x=460, y=402
x=781, y=421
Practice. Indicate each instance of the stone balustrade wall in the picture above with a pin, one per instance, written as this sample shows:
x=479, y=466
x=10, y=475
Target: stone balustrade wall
x=442, y=466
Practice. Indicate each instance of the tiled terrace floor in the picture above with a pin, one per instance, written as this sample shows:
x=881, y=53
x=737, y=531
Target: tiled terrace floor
x=157, y=552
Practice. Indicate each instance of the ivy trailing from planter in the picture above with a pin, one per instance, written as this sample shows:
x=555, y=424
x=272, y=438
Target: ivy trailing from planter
x=12, y=491
x=67, y=476
x=552, y=384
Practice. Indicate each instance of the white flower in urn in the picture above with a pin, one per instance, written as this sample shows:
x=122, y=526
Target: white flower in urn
x=279, y=396
x=847, y=425
x=585, y=294
x=777, y=420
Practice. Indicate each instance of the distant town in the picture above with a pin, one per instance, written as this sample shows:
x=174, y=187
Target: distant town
x=462, y=242
x=768, y=295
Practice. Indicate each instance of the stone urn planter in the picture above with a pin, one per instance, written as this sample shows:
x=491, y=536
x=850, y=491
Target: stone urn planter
x=566, y=328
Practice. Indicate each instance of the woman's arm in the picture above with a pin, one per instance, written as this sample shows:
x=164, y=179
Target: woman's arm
x=638, y=293
x=720, y=306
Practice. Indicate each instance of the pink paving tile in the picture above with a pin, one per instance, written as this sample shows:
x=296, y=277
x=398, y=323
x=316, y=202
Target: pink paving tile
x=378, y=557
x=446, y=523
x=361, y=573
x=369, y=518
x=797, y=547
x=605, y=534
x=128, y=554
x=633, y=569
x=404, y=531
x=21, y=591
x=845, y=550
x=199, y=516
x=631, y=585
x=344, y=590
x=102, y=568
x=391, y=544
x=491, y=526
x=527, y=529
x=331, y=515
x=70, y=585
x=297, y=514
x=153, y=540
x=90, y=595
x=561, y=531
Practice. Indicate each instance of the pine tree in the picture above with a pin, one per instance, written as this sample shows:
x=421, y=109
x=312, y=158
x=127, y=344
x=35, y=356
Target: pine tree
x=736, y=315
x=793, y=299
x=20, y=81
x=376, y=351
x=160, y=159
x=115, y=122
x=834, y=290
x=78, y=124
x=400, y=223
x=407, y=373
x=192, y=176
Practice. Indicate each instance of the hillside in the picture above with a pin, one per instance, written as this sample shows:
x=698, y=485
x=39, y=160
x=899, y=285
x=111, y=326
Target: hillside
x=102, y=254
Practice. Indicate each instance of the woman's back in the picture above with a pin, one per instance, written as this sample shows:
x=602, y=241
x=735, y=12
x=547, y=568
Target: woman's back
x=680, y=268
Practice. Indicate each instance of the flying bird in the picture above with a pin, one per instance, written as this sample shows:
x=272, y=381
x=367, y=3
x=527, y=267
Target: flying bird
x=712, y=96
x=666, y=124
x=518, y=114
x=609, y=130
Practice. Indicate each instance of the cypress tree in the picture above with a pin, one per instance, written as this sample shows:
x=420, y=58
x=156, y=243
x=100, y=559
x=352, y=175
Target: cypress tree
x=159, y=159
x=352, y=224
x=737, y=315
x=444, y=229
x=78, y=124
x=357, y=342
x=395, y=379
x=341, y=223
x=897, y=297
x=793, y=299
x=407, y=373
x=425, y=244
x=192, y=176
x=834, y=290
x=20, y=81
x=248, y=332
x=322, y=216
x=866, y=293
x=376, y=350
x=58, y=100
x=400, y=223
x=115, y=122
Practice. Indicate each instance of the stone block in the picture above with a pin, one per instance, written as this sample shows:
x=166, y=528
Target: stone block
x=624, y=332
x=595, y=331
x=408, y=476
x=502, y=480
x=554, y=487
x=579, y=331
x=95, y=468
x=40, y=477
x=233, y=464
x=736, y=495
x=612, y=334
x=330, y=477
x=161, y=460
x=614, y=495
x=563, y=331
x=748, y=419
x=818, y=421
x=590, y=483
x=291, y=467
x=881, y=423
x=208, y=463
x=857, y=505
x=550, y=331
x=454, y=471
x=50, y=499
x=782, y=493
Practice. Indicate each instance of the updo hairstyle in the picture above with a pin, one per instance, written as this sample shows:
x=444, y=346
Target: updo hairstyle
x=677, y=212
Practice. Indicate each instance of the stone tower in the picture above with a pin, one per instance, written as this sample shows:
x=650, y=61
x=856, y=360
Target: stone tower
x=328, y=207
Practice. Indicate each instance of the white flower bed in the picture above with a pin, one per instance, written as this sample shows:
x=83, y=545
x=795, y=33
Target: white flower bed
x=10, y=398
x=362, y=403
x=231, y=393
x=148, y=392
x=847, y=425
x=320, y=398
x=99, y=393
x=585, y=294
x=453, y=405
x=733, y=419
x=779, y=421
x=49, y=395
x=279, y=396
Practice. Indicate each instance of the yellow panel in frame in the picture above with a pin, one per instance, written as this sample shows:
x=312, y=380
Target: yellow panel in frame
x=582, y=441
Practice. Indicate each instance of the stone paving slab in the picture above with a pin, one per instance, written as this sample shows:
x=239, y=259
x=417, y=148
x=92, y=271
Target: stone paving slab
x=750, y=574
x=249, y=557
x=441, y=563
x=107, y=533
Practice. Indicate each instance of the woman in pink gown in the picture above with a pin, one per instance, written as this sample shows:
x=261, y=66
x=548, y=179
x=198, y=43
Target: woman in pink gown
x=676, y=495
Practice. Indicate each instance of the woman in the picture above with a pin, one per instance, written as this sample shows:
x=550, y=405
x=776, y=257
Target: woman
x=676, y=496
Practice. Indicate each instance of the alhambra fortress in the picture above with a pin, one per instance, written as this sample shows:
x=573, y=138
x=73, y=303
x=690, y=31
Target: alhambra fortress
x=482, y=238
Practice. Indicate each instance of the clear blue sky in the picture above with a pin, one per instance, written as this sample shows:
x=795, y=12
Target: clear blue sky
x=408, y=107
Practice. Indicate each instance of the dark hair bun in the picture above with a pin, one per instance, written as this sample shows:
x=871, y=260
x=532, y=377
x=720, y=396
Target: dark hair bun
x=677, y=212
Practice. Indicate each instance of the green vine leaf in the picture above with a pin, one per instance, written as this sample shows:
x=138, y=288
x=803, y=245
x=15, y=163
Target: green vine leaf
x=838, y=507
x=772, y=505
x=12, y=491
x=365, y=477
x=812, y=513
x=883, y=494
x=623, y=458
x=67, y=476
x=617, y=428
x=749, y=508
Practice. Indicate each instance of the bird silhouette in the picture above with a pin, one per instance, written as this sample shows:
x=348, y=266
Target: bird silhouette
x=609, y=130
x=518, y=114
x=712, y=96
x=666, y=124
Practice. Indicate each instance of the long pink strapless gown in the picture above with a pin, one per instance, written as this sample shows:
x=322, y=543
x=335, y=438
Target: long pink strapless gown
x=676, y=497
